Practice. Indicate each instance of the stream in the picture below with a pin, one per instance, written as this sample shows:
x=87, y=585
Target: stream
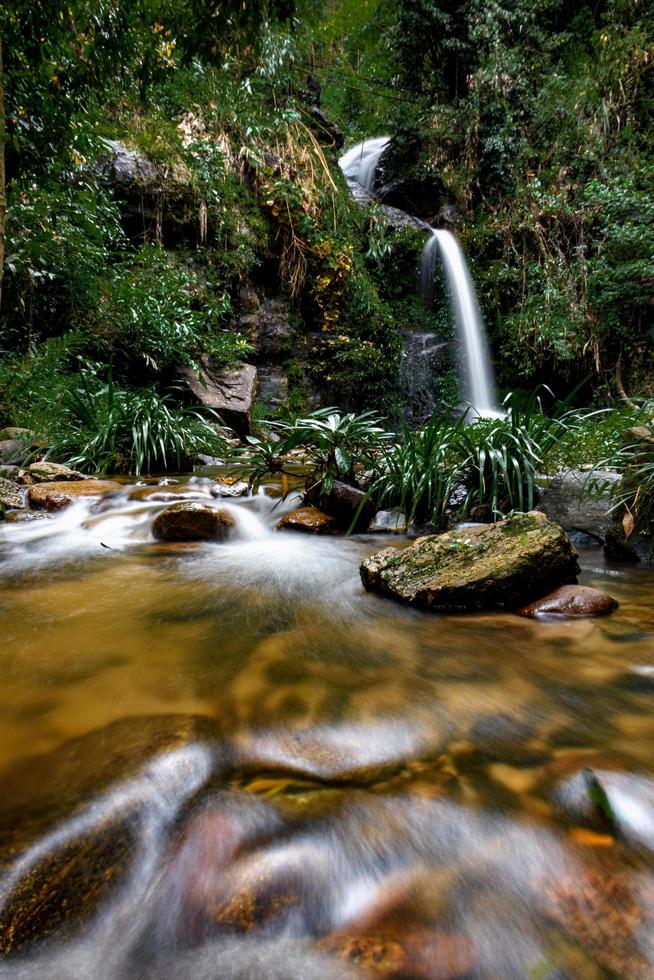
x=228, y=760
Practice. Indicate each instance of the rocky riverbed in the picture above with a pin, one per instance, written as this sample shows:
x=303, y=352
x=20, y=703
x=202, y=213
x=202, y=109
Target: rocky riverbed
x=224, y=755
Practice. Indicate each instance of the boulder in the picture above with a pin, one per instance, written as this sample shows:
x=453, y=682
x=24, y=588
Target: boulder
x=638, y=547
x=13, y=451
x=580, y=501
x=572, y=601
x=11, y=495
x=229, y=391
x=343, y=502
x=308, y=519
x=189, y=521
x=10, y=472
x=503, y=564
x=56, y=496
x=46, y=472
x=16, y=432
x=226, y=488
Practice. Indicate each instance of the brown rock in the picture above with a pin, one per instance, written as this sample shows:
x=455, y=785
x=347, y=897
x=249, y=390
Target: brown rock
x=229, y=488
x=191, y=521
x=229, y=391
x=308, y=519
x=46, y=472
x=55, y=496
x=343, y=502
x=572, y=601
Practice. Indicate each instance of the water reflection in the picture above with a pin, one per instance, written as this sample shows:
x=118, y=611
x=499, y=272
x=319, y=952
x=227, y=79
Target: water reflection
x=301, y=779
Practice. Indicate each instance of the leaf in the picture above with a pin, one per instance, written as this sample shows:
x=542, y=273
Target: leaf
x=628, y=524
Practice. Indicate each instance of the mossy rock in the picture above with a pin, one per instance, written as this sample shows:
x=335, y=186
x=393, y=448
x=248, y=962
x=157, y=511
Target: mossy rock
x=504, y=564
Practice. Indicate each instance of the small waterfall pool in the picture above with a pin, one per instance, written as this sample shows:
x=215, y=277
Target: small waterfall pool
x=228, y=760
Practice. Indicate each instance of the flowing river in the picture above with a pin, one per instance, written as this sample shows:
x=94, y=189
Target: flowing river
x=228, y=760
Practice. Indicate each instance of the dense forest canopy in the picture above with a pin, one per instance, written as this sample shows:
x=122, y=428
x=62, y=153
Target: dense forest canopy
x=526, y=123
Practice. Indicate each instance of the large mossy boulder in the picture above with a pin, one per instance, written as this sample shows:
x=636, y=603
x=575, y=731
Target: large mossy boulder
x=485, y=566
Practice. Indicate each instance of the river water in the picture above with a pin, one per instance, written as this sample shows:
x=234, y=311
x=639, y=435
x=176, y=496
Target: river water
x=228, y=760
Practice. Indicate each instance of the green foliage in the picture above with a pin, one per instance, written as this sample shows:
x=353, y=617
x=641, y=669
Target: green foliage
x=420, y=472
x=333, y=444
x=102, y=428
x=155, y=311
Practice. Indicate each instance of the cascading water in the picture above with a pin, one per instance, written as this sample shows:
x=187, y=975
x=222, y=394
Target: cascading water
x=474, y=354
x=360, y=164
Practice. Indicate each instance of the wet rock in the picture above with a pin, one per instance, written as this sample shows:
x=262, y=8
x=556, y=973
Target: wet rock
x=24, y=516
x=571, y=601
x=416, y=952
x=308, y=519
x=159, y=493
x=272, y=388
x=275, y=330
x=189, y=521
x=601, y=798
x=388, y=522
x=56, y=496
x=11, y=495
x=225, y=488
x=568, y=501
x=638, y=547
x=478, y=567
x=75, y=822
x=229, y=391
x=343, y=502
x=45, y=472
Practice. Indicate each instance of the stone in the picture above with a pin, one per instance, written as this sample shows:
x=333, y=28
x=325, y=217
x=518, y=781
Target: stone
x=225, y=488
x=308, y=519
x=24, y=516
x=638, y=547
x=229, y=391
x=11, y=495
x=13, y=451
x=275, y=330
x=10, y=473
x=567, y=500
x=46, y=472
x=272, y=386
x=503, y=564
x=389, y=522
x=56, y=496
x=572, y=601
x=344, y=502
x=191, y=521
x=15, y=432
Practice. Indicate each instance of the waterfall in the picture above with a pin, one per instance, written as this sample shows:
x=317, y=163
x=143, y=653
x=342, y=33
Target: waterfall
x=474, y=353
x=360, y=163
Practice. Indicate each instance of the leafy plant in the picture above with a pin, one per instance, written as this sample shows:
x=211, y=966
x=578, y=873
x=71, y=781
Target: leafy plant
x=420, y=472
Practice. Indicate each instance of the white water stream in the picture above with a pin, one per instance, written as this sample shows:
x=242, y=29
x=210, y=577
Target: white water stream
x=475, y=365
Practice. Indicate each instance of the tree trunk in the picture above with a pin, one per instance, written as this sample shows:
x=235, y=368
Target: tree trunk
x=3, y=191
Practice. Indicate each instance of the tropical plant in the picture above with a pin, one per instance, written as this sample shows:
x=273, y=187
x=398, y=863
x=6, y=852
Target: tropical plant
x=103, y=428
x=420, y=472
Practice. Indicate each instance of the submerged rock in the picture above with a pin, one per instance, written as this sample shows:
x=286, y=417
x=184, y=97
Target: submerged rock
x=11, y=495
x=189, y=521
x=308, y=519
x=24, y=516
x=479, y=567
x=57, y=495
x=572, y=601
x=46, y=472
